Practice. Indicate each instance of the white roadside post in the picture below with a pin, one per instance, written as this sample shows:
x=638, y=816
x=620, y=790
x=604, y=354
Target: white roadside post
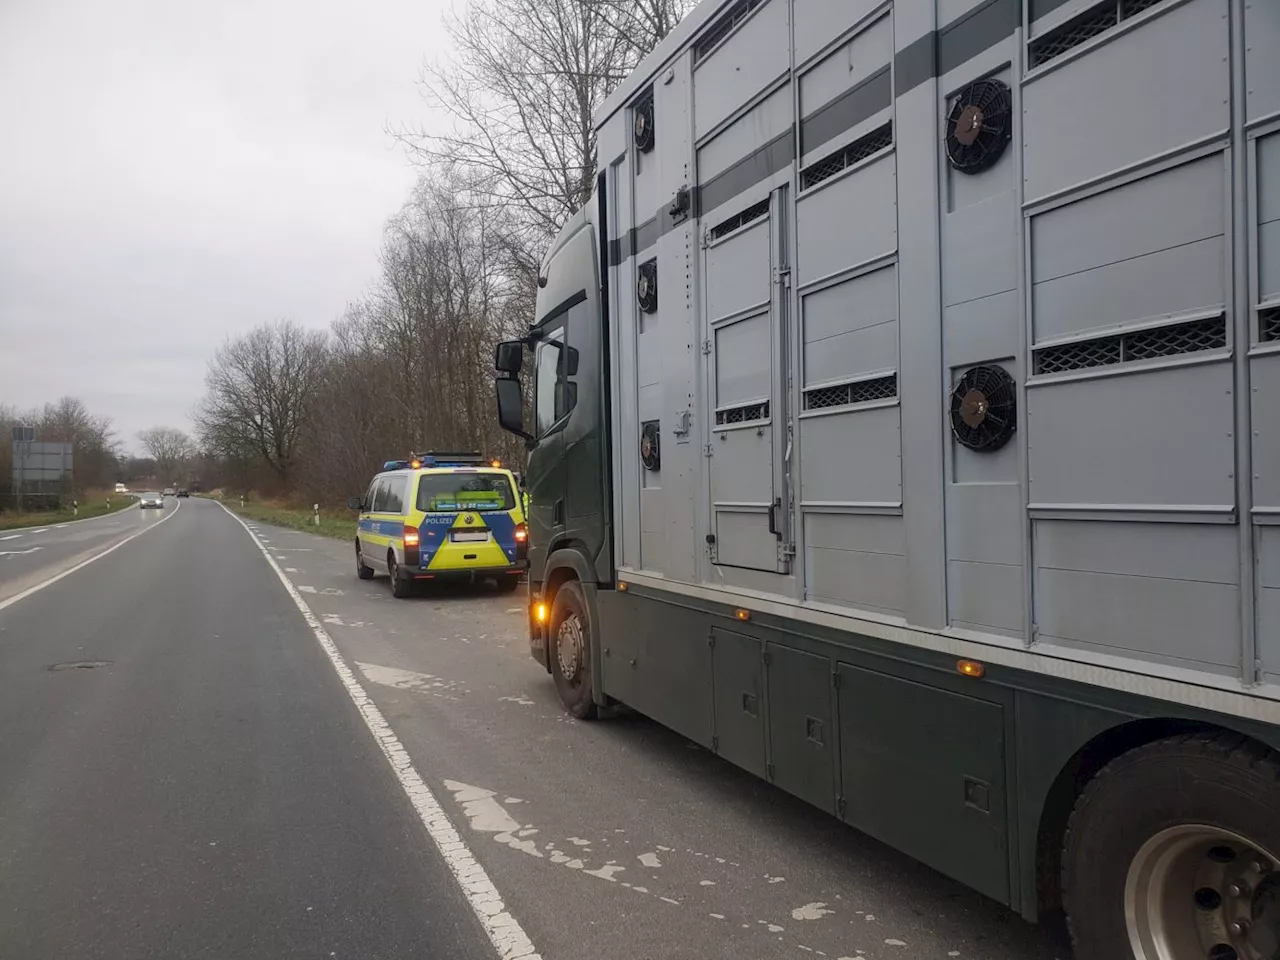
x=75, y=508
x=316, y=508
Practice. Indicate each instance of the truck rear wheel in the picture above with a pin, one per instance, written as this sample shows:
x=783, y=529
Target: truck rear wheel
x=569, y=650
x=1172, y=853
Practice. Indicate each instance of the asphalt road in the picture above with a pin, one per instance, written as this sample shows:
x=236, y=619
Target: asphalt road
x=196, y=795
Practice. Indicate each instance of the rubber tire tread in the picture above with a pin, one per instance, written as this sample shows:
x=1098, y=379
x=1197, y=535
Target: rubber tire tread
x=363, y=570
x=1203, y=777
x=401, y=587
x=577, y=700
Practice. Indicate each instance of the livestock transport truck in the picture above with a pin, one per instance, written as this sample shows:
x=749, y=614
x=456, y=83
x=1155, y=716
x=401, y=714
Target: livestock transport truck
x=906, y=431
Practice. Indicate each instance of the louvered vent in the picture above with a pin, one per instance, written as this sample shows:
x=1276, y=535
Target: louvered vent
x=844, y=394
x=753, y=212
x=747, y=413
x=722, y=27
x=1179, y=338
x=1085, y=27
x=1269, y=324
x=871, y=143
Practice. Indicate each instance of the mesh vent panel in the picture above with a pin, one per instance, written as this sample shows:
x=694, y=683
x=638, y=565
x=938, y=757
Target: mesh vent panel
x=747, y=413
x=753, y=212
x=1074, y=32
x=722, y=28
x=1140, y=345
x=863, y=391
x=873, y=142
x=1269, y=324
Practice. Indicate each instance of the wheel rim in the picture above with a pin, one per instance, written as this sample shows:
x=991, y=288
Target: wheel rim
x=569, y=644
x=1196, y=892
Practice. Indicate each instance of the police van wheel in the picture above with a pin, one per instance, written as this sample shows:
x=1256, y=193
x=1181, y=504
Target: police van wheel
x=362, y=571
x=569, y=650
x=1173, y=853
x=401, y=586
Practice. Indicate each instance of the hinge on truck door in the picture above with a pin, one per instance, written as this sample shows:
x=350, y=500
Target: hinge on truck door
x=707, y=450
x=840, y=806
x=767, y=658
x=715, y=744
x=835, y=679
x=706, y=346
x=768, y=771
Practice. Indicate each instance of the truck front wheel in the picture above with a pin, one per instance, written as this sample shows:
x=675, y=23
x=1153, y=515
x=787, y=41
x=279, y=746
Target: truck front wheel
x=1172, y=853
x=569, y=650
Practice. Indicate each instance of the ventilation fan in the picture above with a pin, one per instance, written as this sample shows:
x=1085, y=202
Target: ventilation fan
x=643, y=131
x=650, y=445
x=647, y=286
x=984, y=409
x=979, y=126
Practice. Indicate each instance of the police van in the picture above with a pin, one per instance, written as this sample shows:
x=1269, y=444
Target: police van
x=441, y=516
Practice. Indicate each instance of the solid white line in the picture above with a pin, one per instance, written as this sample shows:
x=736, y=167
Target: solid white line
x=83, y=563
x=504, y=931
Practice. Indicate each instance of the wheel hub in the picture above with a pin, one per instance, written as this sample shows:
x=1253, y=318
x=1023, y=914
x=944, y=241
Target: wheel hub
x=569, y=642
x=1196, y=892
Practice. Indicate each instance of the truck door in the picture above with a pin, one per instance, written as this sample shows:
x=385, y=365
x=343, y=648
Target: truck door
x=545, y=475
x=744, y=268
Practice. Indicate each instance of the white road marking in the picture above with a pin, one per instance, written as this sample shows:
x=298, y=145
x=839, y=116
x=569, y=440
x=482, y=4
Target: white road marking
x=290, y=569
x=18, y=553
x=84, y=563
x=505, y=932
x=302, y=589
x=811, y=911
x=649, y=859
x=41, y=530
x=12, y=536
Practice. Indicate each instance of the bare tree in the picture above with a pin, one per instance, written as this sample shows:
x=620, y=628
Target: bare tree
x=259, y=392
x=170, y=448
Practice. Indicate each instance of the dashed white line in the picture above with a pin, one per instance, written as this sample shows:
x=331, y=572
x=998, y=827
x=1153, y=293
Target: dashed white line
x=12, y=536
x=505, y=932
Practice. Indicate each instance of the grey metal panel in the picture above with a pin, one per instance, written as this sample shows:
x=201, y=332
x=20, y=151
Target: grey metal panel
x=1261, y=65
x=761, y=124
x=649, y=361
x=949, y=812
x=743, y=539
x=980, y=250
x=1269, y=177
x=1269, y=258
x=818, y=21
x=985, y=596
x=977, y=330
x=865, y=532
x=1156, y=447
x=846, y=354
x=1167, y=209
x=984, y=522
x=861, y=56
x=1268, y=550
x=743, y=361
x=742, y=466
x=1264, y=377
x=1178, y=280
x=1133, y=548
x=1192, y=622
x=865, y=301
x=852, y=456
x=829, y=239
x=870, y=98
x=866, y=581
x=737, y=271
x=802, y=730
x=1180, y=94
x=741, y=66
x=739, y=699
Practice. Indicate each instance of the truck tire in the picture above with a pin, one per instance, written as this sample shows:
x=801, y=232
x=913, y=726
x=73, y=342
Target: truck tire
x=569, y=650
x=363, y=571
x=1171, y=853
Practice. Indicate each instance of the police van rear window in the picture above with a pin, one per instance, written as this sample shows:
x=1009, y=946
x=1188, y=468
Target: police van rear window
x=451, y=492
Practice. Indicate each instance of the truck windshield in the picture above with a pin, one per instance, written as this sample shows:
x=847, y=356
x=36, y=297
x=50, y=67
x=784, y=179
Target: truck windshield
x=451, y=492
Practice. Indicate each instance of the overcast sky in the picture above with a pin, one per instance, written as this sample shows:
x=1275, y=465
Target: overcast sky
x=173, y=171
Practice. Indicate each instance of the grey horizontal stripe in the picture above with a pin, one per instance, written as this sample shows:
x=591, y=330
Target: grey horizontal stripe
x=866, y=99
x=747, y=172
x=936, y=54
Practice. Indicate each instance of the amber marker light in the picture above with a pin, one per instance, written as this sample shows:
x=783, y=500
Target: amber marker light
x=622, y=586
x=540, y=612
x=741, y=614
x=970, y=668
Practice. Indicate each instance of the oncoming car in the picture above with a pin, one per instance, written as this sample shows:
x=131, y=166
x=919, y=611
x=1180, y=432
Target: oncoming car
x=440, y=517
x=151, y=499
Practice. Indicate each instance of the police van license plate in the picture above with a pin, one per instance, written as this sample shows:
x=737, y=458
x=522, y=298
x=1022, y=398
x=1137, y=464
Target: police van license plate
x=469, y=536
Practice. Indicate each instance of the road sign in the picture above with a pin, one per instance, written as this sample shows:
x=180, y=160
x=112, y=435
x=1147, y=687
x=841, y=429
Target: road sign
x=24, y=434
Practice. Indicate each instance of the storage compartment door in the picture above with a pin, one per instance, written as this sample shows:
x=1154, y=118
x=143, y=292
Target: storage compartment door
x=738, y=674
x=923, y=770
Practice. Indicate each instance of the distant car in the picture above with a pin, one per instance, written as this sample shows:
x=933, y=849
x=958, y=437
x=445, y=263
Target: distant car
x=151, y=499
x=169, y=491
x=182, y=492
x=121, y=488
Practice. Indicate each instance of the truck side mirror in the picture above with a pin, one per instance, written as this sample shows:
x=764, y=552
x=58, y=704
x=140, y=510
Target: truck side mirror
x=508, y=357
x=568, y=363
x=511, y=407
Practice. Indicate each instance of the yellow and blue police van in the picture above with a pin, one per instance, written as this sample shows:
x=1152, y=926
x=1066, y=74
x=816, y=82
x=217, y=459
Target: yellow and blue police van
x=442, y=516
